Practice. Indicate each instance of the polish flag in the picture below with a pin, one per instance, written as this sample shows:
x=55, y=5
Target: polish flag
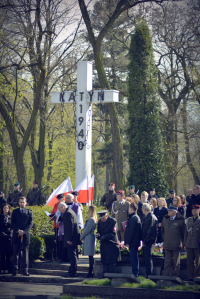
x=65, y=187
x=82, y=189
x=91, y=189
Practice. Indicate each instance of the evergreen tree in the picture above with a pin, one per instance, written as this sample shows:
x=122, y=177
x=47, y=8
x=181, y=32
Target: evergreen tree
x=146, y=147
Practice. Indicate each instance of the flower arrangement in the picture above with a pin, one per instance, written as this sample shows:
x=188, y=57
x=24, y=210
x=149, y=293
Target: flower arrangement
x=123, y=249
x=158, y=249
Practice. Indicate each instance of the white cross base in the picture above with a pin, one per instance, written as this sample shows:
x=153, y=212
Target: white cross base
x=83, y=101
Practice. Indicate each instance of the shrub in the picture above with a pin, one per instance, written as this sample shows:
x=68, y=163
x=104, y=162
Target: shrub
x=50, y=245
x=37, y=248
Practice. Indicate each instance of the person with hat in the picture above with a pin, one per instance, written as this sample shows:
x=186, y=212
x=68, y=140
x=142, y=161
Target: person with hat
x=192, y=242
x=169, y=200
x=76, y=208
x=76, y=194
x=120, y=211
x=152, y=193
x=194, y=200
x=35, y=196
x=131, y=190
x=13, y=198
x=2, y=199
x=109, y=246
x=173, y=228
x=109, y=197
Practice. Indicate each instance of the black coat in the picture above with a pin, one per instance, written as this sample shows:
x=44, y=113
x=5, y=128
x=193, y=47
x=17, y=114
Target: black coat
x=71, y=228
x=139, y=211
x=5, y=234
x=149, y=228
x=109, y=247
x=24, y=222
x=159, y=215
x=194, y=200
x=133, y=232
x=169, y=201
x=2, y=201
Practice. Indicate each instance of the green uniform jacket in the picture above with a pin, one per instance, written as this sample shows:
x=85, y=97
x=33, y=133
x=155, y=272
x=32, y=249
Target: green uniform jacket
x=192, y=233
x=107, y=199
x=173, y=232
x=122, y=213
x=39, y=200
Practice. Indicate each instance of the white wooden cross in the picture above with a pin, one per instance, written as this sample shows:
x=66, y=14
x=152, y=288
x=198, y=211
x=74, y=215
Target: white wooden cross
x=84, y=115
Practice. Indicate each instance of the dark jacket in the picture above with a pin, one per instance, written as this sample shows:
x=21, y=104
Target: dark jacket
x=35, y=197
x=149, y=197
x=71, y=228
x=24, y=222
x=169, y=201
x=133, y=232
x=173, y=232
x=182, y=210
x=5, y=234
x=193, y=201
x=14, y=198
x=160, y=213
x=139, y=211
x=149, y=228
x=109, y=247
x=2, y=201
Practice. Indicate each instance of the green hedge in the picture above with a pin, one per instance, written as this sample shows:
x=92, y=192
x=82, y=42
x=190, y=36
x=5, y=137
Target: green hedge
x=37, y=248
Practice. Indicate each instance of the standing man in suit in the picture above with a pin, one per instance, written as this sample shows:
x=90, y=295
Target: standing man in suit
x=71, y=235
x=21, y=221
x=121, y=213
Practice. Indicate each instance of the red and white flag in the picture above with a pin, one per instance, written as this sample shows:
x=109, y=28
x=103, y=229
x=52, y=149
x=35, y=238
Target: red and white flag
x=65, y=187
x=91, y=189
x=82, y=189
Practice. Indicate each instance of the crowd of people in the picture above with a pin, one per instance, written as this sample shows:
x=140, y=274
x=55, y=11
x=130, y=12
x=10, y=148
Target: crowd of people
x=134, y=221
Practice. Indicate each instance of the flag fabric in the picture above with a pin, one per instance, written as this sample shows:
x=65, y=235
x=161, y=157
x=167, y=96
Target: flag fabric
x=65, y=187
x=91, y=188
x=82, y=189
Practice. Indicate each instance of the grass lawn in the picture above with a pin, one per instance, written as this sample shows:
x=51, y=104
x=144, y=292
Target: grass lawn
x=98, y=282
x=145, y=283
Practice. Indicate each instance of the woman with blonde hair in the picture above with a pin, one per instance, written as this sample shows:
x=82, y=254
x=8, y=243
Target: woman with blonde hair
x=88, y=238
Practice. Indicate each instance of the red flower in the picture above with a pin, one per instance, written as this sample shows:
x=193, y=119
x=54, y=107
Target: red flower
x=155, y=250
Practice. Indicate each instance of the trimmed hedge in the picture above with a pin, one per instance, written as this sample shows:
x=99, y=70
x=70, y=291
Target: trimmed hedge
x=37, y=248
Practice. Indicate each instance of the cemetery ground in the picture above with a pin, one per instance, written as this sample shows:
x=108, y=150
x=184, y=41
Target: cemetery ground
x=48, y=281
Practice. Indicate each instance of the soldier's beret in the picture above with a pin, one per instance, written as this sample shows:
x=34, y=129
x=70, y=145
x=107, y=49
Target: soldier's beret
x=152, y=189
x=17, y=184
x=131, y=187
x=172, y=208
x=111, y=184
x=75, y=193
x=59, y=196
x=196, y=207
x=102, y=213
x=35, y=182
x=120, y=192
x=172, y=191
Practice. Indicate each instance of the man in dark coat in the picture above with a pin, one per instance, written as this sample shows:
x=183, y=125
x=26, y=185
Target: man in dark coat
x=169, y=200
x=109, y=197
x=71, y=236
x=109, y=248
x=152, y=193
x=133, y=236
x=194, y=200
x=13, y=198
x=21, y=221
x=149, y=233
x=35, y=197
x=2, y=199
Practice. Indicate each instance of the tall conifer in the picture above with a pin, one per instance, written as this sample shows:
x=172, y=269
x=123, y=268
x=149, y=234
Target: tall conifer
x=146, y=147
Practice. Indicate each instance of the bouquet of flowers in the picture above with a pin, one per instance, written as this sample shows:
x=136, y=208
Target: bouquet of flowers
x=123, y=249
x=158, y=249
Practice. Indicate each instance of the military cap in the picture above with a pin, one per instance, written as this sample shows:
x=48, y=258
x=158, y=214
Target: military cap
x=196, y=207
x=102, y=213
x=172, y=208
x=111, y=184
x=17, y=184
x=75, y=193
x=131, y=187
x=59, y=196
x=152, y=189
x=120, y=192
x=172, y=191
x=35, y=182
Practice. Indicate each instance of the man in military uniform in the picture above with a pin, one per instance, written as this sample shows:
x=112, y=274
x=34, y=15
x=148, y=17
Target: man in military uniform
x=191, y=243
x=131, y=190
x=120, y=213
x=109, y=198
x=35, y=197
x=109, y=248
x=13, y=198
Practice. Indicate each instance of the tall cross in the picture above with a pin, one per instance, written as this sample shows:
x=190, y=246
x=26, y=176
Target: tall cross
x=83, y=97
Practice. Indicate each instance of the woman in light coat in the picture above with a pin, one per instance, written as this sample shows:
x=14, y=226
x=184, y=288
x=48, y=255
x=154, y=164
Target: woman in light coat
x=88, y=238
